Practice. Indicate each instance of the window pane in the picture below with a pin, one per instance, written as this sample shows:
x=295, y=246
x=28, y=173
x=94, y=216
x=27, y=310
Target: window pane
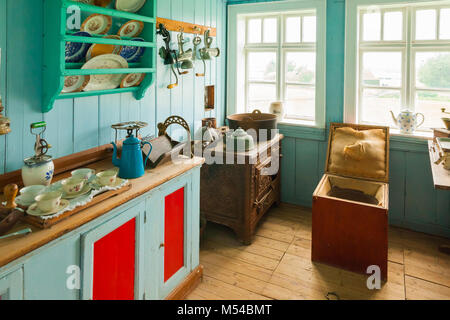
x=254, y=31
x=426, y=24
x=293, y=27
x=433, y=69
x=301, y=67
x=382, y=69
x=270, y=30
x=262, y=66
x=430, y=104
x=444, y=32
x=371, y=26
x=300, y=101
x=260, y=96
x=309, y=29
x=376, y=104
x=393, y=26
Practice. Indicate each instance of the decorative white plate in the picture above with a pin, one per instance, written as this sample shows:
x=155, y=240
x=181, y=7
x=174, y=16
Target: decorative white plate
x=87, y=188
x=132, y=80
x=97, y=24
x=75, y=83
x=129, y=5
x=118, y=182
x=131, y=29
x=33, y=210
x=105, y=81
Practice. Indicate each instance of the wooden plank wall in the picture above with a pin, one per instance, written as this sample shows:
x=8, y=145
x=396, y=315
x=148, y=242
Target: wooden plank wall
x=79, y=124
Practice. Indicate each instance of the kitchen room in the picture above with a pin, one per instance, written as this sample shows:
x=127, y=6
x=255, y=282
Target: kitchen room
x=256, y=150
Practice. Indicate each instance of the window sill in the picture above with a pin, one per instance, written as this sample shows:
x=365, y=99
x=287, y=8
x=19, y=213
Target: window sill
x=423, y=135
x=302, y=129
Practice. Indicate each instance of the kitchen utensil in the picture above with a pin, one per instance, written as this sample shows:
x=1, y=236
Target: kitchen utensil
x=98, y=49
x=97, y=24
x=28, y=194
x=132, y=80
x=131, y=164
x=18, y=233
x=106, y=81
x=5, y=123
x=76, y=51
x=34, y=210
x=239, y=141
x=184, y=57
x=133, y=53
x=131, y=29
x=167, y=54
x=75, y=83
x=107, y=178
x=38, y=169
x=129, y=5
x=207, y=52
x=13, y=214
x=407, y=122
x=48, y=201
x=265, y=124
x=85, y=173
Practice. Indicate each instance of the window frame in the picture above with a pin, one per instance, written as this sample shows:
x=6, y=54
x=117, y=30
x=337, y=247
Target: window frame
x=238, y=17
x=355, y=46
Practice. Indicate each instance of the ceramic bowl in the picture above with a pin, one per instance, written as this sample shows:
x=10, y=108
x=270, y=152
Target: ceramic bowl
x=29, y=193
x=76, y=51
x=48, y=201
x=73, y=185
x=84, y=174
x=133, y=53
x=107, y=178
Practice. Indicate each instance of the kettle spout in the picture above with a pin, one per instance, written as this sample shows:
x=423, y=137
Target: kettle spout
x=394, y=118
x=115, y=160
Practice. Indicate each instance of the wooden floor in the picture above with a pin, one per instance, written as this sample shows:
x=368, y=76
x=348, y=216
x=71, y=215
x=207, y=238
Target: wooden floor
x=278, y=265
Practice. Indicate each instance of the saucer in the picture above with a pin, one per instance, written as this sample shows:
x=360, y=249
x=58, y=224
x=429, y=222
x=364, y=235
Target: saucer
x=87, y=188
x=118, y=182
x=33, y=210
x=23, y=203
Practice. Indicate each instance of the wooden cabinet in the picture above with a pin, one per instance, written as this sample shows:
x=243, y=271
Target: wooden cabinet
x=11, y=285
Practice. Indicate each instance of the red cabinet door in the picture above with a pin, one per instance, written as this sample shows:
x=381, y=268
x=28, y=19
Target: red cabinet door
x=114, y=264
x=174, y=233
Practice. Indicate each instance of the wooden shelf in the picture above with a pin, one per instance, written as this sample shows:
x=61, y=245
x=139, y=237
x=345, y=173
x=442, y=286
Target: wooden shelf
x=55, y=68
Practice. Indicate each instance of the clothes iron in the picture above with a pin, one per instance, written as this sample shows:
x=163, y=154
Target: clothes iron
x=131, y=164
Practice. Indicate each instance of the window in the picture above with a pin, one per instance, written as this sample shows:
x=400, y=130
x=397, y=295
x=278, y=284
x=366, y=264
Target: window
x=402, y=62
x=279, y=57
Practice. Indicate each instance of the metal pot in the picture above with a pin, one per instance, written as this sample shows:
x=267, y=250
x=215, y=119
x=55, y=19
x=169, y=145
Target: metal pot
x=257, y=121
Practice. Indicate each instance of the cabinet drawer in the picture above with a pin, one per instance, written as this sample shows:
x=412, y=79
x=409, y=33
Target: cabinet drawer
x=263, y=178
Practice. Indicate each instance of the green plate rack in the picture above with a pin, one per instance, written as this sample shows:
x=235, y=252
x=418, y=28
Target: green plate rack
x=55, y=69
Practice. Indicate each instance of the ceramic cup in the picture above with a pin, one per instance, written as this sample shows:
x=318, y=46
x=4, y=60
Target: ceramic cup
x=73, y=185
x=48, y=201
x=84, y=174
x=29, y=193
x=107, y=178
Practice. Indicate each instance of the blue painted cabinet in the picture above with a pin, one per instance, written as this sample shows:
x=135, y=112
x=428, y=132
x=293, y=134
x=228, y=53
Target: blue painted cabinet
x=11, y=285
x=141, y=250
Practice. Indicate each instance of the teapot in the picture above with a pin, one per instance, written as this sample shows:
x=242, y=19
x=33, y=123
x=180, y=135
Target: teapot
x=131, y=164
x=406, y=121
x=240, y=141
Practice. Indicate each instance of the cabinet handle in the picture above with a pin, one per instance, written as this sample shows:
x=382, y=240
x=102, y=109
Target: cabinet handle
x=161, y=245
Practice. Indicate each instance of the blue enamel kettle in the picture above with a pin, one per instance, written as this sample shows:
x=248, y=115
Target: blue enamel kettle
x=131, y=163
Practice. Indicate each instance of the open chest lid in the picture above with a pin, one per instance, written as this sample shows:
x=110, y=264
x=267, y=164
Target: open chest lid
x=358, y=151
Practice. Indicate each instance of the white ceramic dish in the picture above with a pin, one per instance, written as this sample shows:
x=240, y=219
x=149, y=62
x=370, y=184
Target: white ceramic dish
x=129, y=5
x=48, y=201
x=21, y=201
x=131, y=29
x=75, y=83
x=86, y=189
x=85, y=173
x=132, y=80
x=107, y=178
x=118, y=182
x=33, y=210
x=105, y=81
x=28, y=194
x=73, y=185
x=97, y=24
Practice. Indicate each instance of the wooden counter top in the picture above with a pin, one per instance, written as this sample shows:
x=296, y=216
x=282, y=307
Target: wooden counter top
x=14, y=248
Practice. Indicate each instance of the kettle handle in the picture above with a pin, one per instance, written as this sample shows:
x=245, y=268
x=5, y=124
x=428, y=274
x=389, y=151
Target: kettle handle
x=423, y=119
x=148, y=155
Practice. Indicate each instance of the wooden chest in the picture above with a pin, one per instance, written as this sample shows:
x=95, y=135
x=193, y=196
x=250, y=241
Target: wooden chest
x=238, y=195
x=350, y=204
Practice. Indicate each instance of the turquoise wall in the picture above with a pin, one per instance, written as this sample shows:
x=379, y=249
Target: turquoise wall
x=414, y=203
x=79, y=124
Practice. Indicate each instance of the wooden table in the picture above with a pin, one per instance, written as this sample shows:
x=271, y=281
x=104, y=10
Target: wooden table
x=441, y=179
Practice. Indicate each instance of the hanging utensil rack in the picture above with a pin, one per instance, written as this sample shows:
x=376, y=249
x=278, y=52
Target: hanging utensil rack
x=174, y=25
x=55, y=69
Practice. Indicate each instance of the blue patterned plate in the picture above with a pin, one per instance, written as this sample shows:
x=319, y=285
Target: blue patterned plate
x=75, y=51
x=132, y=53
